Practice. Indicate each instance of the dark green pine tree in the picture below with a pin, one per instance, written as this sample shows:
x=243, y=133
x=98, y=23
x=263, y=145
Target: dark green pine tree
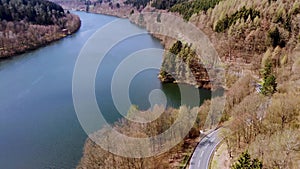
x=270, y=85
x=245, y=162
x=176, y=48
x=256, y=164
x=169, y=65
x=177, y=63
x=267, y=69
x=274, y=36
x=269, y=80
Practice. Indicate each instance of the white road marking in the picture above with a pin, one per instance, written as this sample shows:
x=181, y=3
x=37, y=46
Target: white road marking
x=207, y=145
x=198, y=164
x=201, y=154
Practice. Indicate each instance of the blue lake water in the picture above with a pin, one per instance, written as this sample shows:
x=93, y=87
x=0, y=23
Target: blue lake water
x=38, y=125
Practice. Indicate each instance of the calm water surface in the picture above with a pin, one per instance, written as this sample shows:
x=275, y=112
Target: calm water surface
x=38, y=124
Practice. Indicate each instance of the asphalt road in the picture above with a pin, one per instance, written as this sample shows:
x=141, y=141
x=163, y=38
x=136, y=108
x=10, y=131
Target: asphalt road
x=204, y=150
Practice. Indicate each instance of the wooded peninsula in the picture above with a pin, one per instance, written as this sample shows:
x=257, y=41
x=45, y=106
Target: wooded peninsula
x=28, y=24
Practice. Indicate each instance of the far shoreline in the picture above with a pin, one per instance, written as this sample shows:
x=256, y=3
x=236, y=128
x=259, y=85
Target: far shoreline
x=62, y=34
x=203, y=85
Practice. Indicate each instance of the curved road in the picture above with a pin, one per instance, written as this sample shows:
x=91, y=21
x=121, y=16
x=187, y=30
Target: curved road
x=204, y=150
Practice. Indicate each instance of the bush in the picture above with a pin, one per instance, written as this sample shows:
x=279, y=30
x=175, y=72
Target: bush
x=275, y=38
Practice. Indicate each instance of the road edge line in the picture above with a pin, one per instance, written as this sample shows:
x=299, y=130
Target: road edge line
x=216, y=147
x=188, y=162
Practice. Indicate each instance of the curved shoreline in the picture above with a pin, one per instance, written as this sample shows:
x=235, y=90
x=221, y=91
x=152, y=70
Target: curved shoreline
x=166, y=43
x=57, y=36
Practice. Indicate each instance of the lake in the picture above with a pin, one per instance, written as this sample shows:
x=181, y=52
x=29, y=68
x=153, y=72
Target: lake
x=38, y=124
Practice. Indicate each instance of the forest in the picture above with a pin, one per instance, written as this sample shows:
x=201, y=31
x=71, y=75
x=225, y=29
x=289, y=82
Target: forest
x=137, y=3
x=27, y=25
x=165, y=4
x=244, y=13
x=34, y=11
x=187, y=9
x=182, y=65
x=259, y=42
x=158, y=4
x=97, y=157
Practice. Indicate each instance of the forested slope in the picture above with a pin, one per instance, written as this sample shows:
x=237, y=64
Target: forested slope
x=28, y=24
x=33, y=11
x=259, y=43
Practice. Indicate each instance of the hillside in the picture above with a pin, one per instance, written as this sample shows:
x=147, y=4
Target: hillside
x=258, y=41
x=27, y=25
x=95, y=156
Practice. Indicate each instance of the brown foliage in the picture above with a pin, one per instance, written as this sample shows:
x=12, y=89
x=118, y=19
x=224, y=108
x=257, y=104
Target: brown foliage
x=96, y=157
x=18, y=37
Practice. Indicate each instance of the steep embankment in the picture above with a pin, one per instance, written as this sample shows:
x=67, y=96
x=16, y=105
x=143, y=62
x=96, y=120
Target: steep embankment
x=27, y=25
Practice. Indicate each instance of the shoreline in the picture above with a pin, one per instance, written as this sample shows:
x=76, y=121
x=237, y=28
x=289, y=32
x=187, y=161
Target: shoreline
x=89, y=146
x=58, y=37
x=166, y=42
